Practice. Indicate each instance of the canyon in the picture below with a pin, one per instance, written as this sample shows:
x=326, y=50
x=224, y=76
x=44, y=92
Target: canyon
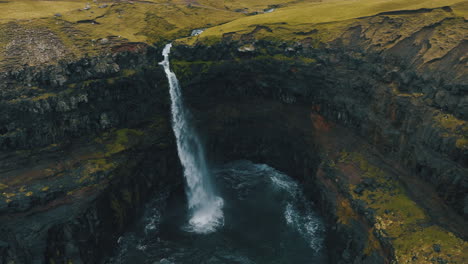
x=366, y=111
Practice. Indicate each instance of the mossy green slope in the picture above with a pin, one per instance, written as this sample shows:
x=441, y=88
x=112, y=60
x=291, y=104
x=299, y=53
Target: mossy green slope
x=330, y=11
x=37, y=32
x=327, y=20
x=414, y=237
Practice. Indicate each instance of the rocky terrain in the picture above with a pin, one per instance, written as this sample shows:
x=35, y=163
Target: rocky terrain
x=366, y=107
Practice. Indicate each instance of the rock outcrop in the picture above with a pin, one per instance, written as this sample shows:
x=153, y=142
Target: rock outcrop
x=358, y=126
x=368, y=112
x=83, y=146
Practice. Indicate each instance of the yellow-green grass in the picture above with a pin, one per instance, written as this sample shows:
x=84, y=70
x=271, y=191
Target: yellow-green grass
x=307, y=13
x=462, y=143
x=30, y=9
x=138, y=20
x=452, y=127
x=149, y=21
x=163, y=20
x=461, y=9
x=401, y=219
x=157, y=21
x=11, y=10
x=122, y=140
x=331, y=11
x=248, y=5
x=450, y=123
x=153, y=22
x=91, y=167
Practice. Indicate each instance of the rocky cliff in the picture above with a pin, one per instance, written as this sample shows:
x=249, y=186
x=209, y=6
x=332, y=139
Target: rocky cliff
x=379, y=137
x=367, y=108
x=84, y=145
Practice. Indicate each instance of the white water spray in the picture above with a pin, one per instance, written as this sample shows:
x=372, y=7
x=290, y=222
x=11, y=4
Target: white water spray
x=204, y=206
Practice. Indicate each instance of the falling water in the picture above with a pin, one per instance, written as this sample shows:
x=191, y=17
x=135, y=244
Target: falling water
x=205, y=207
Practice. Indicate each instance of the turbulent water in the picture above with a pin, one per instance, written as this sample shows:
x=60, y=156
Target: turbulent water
x=205, y=207
x=264, y=217
x=268, y=220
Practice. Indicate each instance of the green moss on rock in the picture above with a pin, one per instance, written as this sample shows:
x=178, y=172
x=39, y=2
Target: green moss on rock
x=121, y=140
x=401, y=219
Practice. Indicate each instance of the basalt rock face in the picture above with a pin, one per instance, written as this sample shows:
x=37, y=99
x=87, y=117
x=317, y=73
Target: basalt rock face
x=376, y=135
x=358, y=90
x=349, y=124
x=83, y=146
x=43, y=105
x=77, y=213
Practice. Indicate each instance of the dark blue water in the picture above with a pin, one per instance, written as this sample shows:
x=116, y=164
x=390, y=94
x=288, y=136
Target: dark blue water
x=267, y=220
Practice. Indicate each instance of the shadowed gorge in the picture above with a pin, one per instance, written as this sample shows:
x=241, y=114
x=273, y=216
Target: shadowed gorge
x=327, y=95
x=269, y=131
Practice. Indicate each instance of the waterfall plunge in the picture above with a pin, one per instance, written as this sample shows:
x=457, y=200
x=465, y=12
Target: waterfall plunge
x=204, y=206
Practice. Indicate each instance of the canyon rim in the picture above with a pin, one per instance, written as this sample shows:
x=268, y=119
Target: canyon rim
x=340, y=125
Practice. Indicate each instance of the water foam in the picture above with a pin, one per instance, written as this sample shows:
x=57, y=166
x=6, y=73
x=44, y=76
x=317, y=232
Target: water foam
x=298, y=212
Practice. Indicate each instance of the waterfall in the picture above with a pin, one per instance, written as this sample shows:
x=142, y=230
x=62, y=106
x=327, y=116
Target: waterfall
x=205, y=207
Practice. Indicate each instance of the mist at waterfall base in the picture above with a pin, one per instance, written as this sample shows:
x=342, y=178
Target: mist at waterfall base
x=267, y=220
x=204, y=205
x=264, y=217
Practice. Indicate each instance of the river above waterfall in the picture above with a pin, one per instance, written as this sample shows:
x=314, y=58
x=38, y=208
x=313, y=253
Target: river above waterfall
x=267, y=220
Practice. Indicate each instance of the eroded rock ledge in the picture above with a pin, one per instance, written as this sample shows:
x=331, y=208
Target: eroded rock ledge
x=378, y=140
x=82, y=147
x=386, y=165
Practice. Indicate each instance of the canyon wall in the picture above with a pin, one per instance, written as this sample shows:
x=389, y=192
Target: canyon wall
x=372, y=122
x=83, y=147
x=364, y=131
